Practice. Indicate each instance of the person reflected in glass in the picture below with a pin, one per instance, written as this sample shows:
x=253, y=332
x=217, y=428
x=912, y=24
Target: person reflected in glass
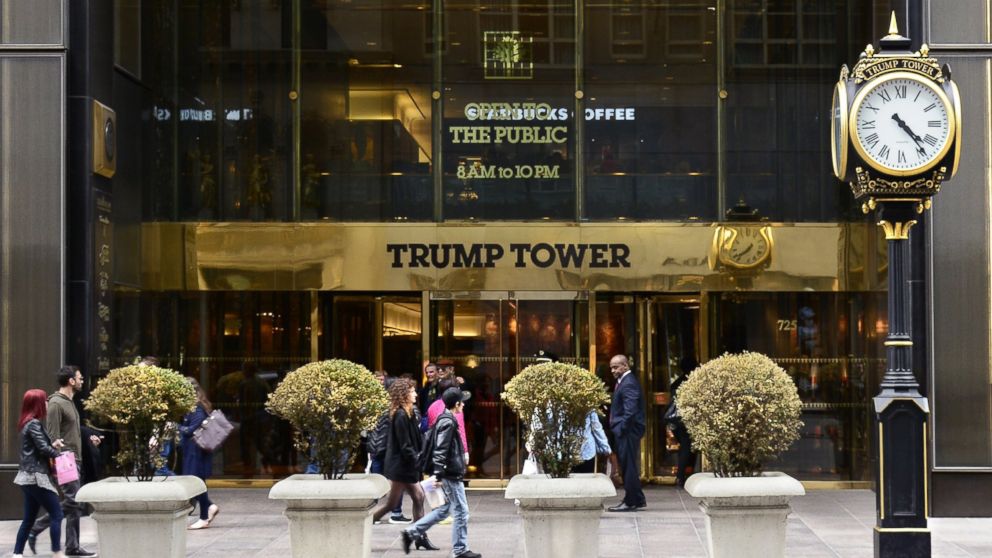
x=197, y=461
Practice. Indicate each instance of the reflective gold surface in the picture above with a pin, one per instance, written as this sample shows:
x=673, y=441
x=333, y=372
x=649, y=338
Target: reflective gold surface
x=663, y=257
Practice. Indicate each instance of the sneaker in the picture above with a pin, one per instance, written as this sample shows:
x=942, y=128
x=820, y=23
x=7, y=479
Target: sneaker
x=400, y=520
x=469, y=554
x=79, y=552
x=446, y=521
x=200, y=524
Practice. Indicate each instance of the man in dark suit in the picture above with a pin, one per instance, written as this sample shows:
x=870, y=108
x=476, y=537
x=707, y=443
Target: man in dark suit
x=627, y=424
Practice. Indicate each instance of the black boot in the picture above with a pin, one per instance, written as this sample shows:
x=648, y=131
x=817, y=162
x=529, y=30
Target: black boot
x=426, y=544
x=408, y=539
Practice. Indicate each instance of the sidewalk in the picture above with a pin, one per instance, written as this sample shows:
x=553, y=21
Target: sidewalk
x=829, y=523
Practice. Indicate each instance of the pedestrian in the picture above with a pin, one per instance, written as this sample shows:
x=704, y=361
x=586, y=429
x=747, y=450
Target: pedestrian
x=429, y=393
x=62, y=423
x=33, y=472
x=594, y=443
x=376, y=444
x=627, y=425
x=197, y=461
x=403, y=446
x=447, y=460
x=686, y=459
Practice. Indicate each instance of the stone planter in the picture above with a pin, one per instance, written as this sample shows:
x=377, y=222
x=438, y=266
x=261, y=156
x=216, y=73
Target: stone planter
x=561, y=516
x=330, y=518
x=745, y=516
x=142, y=518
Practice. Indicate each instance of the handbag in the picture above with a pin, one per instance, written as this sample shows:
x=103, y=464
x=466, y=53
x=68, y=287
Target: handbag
x=65, y=468
x=213, y=431
x=672, y=415
x=613, y=470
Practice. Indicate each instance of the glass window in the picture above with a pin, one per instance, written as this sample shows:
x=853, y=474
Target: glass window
x=365, y=124
x=234, y=111
x=509, y=89
x=831, y=345
x=317, y=109
x=650, y=110
x=782, y=58
x=238, y=345
x=127, y=35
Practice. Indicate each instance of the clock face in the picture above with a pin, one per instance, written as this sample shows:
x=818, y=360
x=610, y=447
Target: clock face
x=745, y=247
x=902, y=124
x=838, y=137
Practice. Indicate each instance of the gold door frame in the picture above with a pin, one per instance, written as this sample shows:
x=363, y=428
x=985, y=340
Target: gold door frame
x=646, y=308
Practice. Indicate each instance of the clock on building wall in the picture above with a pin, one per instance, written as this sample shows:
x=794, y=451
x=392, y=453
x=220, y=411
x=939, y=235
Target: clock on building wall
x=741, y=247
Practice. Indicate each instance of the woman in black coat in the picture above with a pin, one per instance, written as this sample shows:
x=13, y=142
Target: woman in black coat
x=402, y=449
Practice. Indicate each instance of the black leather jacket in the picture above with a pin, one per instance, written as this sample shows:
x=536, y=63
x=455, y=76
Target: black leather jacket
x=449, y=455
x=36, y=448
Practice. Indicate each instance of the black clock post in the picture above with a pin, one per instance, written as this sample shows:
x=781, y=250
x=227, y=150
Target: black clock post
x=898, y=190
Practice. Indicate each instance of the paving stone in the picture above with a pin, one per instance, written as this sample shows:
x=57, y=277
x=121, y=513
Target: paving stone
x=835, y=524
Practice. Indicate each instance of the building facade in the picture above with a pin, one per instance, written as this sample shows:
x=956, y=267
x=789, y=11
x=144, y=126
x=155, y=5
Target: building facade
x=245, y=186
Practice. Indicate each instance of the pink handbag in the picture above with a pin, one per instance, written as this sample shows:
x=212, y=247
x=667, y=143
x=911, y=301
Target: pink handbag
x=65, y=468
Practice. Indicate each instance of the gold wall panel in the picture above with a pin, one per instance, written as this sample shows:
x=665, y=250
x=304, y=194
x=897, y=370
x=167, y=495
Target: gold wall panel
x=655, y=257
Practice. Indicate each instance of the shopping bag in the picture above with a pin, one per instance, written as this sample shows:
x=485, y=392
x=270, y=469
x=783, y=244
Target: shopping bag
x=65, y=468
x=531, y=466
x=212, y=433
x=434, y=494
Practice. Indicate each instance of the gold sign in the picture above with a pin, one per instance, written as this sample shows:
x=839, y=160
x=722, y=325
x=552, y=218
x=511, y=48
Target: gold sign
x=650, y=257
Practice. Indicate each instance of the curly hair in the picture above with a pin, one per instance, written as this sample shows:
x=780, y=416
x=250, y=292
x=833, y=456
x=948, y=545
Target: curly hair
x=399, y=390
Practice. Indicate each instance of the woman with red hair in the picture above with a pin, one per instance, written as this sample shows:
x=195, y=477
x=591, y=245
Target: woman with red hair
x=33, y=471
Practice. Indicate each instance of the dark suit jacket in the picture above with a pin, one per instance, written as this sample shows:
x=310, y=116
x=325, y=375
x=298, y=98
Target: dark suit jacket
x=627, y=410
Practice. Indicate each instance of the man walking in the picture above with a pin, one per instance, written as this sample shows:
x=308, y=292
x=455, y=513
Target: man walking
x=627, y=424
x=448, y=463
x=63, y=422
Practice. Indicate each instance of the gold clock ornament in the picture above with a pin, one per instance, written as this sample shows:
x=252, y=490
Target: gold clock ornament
x=741, y=247
x=838, y=126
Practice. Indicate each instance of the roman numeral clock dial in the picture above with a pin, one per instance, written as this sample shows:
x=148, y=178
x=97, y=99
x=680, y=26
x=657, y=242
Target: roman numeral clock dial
x=901, y=124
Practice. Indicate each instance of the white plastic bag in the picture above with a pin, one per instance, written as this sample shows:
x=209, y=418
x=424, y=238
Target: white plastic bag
x=531, y=466
x=434, y=494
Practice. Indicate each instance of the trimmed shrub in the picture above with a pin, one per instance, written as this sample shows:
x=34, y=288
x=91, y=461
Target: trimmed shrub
x=140, y=401
x=555, y=398
x=329, y=404
x=741, y=410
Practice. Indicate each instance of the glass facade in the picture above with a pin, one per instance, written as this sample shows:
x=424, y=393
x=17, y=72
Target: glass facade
x=290, y=113
x=374, y=110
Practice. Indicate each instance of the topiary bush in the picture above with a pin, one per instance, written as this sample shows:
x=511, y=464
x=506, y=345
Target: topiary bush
x=140, y=400
x=555, y=398
x=741, y=410
x=329, y=404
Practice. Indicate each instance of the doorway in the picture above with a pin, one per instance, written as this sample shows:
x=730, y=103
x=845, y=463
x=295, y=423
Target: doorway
x=489, y=337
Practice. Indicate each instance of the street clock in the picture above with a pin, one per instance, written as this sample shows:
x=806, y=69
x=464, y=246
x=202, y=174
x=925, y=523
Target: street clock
x=895, y=123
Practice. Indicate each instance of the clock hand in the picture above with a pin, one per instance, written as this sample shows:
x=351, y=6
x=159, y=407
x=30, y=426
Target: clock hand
x=915, y=138
x=746, y=250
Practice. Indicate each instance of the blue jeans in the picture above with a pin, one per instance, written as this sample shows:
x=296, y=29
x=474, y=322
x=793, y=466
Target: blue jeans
x=34, y=498
x=455, y=504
